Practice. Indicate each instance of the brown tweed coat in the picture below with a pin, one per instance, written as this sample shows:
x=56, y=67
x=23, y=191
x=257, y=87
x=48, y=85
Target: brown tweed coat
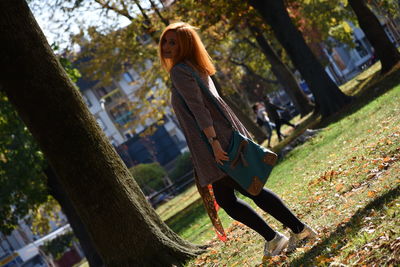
x=206, y=114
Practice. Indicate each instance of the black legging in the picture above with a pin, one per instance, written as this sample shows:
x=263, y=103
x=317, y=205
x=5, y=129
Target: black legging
x=242, y=212
x=278, y=124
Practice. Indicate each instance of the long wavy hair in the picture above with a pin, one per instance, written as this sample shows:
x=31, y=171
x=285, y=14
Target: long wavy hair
x=191, y=48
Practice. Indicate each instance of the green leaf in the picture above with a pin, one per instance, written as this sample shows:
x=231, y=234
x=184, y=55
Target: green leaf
x=347, y=27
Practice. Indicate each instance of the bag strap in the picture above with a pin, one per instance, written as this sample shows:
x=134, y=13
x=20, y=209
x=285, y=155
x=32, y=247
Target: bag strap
x=207, y=93
x=205, y=90
x=202, y=134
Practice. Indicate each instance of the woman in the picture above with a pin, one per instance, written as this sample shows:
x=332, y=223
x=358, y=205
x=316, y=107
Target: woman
x=262, y=117
x=179, y=43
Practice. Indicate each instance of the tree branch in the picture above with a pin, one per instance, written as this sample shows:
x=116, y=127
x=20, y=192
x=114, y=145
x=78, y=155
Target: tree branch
x=146, y=18
x=124, y=12
x=155, y=8
x=252, y=72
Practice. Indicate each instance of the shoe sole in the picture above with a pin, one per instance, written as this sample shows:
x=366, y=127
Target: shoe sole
x=279, y=248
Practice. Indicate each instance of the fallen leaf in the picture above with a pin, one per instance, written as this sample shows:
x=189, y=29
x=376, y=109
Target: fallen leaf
x=384, y=165
x=323, y=259
x=339, y=187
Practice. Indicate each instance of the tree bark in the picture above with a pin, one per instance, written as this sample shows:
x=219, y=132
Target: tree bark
x=247, y=122
x=125, y=229
x=329, y=99
x=283, y=74
x=56, y=190
x=385, y=50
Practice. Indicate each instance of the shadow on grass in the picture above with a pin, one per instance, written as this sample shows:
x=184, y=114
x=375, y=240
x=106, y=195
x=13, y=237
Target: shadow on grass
x=308, y=123
x=368, y=90
x=186, y=217
x=343, y=231
x=376, y=86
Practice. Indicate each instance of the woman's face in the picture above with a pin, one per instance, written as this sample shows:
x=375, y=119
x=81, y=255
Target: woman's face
x=170, y=46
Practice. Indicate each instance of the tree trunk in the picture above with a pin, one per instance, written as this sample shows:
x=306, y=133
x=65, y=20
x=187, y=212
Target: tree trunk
x=283, y=74
x=329, y=99
x=125, y=229
x=56, y=190
x=369, y=23
x=259, y=136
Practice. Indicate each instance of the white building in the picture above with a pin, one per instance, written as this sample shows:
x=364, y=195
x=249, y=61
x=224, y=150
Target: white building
x=110, y=106
x=347, y=62
x=23, y=235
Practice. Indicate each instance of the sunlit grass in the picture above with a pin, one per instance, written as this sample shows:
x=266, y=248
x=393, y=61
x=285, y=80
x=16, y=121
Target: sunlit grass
x=337, y=176
x=344, y=182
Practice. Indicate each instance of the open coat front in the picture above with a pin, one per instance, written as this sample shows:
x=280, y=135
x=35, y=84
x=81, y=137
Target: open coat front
x=206, y=114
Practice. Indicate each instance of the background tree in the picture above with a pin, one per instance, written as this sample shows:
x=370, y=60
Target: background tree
x=151, y=73
x=28, y=186
x=328, y=97
x=322, y=22
x=283, y=74
x=118, y=47
x=385, y=50
x=149, y=177
x=235, y=16
x=95, y=179
x=22, y=182
x=329, y=18
x=319, y=21
x=58, y=193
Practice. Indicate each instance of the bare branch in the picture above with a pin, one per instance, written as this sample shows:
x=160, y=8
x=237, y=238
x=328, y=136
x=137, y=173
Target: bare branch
x=155, y=8
x=251, y=71
x=106, y=4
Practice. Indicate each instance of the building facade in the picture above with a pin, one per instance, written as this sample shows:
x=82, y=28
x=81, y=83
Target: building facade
x=346, y=62
x=110, y=106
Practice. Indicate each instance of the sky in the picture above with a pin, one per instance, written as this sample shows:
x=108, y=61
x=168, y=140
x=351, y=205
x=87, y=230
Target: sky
x=56, y=30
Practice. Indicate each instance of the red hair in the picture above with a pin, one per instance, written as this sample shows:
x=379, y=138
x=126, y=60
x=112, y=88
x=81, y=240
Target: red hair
x=191, y=48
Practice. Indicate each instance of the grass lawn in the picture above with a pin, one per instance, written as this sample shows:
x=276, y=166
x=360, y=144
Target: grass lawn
x=344, y=182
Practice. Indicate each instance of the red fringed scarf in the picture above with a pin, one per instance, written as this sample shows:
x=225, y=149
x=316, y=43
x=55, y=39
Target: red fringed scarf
x=212, y=207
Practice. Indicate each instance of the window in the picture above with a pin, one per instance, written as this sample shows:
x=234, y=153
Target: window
x=108, y=93
x=128, y=77
x=144, y=39
x=122, y=114
x=104, y=90
x=176, y=139
x=101, y=124
x=389, y=34
x=88, y=103
x=362, y=52
x=150, y=98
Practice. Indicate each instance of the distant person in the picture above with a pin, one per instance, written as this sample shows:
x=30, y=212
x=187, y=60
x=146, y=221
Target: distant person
x=182, y=54
x=274, y=116
x=263, y=120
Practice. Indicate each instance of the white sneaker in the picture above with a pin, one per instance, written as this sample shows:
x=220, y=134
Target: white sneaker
x=295, y=240
x=276, y=245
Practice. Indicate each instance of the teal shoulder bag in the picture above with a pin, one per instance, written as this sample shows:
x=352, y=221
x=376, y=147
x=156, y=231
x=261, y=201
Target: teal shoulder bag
x=249, y=163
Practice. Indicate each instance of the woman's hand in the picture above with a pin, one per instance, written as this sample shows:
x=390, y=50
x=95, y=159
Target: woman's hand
x=219, y=153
